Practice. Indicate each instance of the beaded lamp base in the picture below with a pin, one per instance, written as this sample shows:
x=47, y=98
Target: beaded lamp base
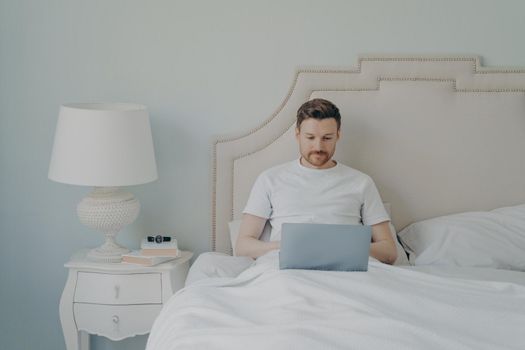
x=109, y=210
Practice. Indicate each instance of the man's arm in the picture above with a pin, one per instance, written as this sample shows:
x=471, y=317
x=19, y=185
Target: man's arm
x=248, y=243
x=383, y=247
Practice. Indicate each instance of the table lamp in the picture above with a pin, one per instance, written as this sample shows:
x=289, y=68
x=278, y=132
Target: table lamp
x=104, y=145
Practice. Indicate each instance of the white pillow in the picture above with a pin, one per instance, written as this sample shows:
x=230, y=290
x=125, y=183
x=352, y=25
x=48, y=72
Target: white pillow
x=474, y=239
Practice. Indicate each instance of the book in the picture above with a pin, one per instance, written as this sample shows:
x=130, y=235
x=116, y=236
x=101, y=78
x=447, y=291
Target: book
x=174, y=252
x=136, y=257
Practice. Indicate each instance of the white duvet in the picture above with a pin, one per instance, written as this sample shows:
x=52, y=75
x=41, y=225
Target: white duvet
x=385, y=308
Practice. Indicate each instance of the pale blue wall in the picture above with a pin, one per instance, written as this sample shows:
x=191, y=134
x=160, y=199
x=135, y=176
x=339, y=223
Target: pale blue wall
x=203, y=68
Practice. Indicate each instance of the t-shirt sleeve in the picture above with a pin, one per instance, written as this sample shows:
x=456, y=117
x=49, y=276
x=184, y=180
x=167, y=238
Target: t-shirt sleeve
x=373, y=211
x=259, y=201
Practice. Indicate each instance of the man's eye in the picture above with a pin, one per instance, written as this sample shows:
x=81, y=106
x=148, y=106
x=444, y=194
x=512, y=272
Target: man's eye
x=327, y=138
x=310, y=138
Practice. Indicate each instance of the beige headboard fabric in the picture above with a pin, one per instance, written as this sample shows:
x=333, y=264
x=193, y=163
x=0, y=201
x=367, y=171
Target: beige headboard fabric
x=438, y=134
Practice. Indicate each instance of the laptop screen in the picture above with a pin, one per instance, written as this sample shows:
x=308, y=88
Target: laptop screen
x=325, y=247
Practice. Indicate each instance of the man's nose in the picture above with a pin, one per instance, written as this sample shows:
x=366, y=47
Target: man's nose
x=317, y=145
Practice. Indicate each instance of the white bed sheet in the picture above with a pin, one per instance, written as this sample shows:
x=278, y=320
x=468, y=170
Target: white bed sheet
x=257, y=306
x=472, y=273
x=217, y=265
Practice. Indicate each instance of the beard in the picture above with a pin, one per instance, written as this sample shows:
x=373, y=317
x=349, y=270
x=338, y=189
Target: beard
x=318, y=159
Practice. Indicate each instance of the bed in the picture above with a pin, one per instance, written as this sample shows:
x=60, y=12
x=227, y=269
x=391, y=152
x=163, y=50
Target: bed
x=443, y=138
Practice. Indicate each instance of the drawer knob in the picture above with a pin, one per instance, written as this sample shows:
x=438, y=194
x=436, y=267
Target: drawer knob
x=116, y=319
x=117, y=291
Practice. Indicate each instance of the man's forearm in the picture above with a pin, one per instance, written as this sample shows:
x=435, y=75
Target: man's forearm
x=384, y=251
x=254, y=248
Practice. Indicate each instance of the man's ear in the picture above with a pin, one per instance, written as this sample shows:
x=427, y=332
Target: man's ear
x=297, y=132
x=338, y=134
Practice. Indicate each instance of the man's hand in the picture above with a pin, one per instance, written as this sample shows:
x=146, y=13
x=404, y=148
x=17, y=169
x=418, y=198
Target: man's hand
x=383, y=247
x=248, y=243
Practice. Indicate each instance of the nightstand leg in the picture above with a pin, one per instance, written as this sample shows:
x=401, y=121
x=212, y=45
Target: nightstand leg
x=67, y=319
x=84, y=340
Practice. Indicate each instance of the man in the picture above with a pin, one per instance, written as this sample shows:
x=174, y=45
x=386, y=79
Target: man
x=315, y=188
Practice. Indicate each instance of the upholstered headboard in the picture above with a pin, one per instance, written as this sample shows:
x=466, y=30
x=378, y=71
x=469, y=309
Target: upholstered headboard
x=438, y=135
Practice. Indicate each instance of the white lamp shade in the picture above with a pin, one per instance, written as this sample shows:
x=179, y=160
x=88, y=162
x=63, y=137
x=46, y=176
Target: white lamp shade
x=103, y=144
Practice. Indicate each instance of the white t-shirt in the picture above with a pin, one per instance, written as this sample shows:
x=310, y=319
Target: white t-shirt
x=292, y=192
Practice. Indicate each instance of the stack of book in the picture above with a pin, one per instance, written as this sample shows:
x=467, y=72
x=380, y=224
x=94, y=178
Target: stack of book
x=153, y=253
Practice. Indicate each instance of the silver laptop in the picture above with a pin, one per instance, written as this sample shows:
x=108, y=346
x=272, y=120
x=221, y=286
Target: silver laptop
x=325, y=247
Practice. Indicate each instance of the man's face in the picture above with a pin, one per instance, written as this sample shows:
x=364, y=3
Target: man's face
x=317, y=139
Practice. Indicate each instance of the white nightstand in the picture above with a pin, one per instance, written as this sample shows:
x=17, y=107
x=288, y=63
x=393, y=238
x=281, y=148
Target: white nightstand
x=116, y=301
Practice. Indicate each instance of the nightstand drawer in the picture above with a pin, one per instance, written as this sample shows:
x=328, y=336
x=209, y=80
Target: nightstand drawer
x=103, y=288
x=115, y=322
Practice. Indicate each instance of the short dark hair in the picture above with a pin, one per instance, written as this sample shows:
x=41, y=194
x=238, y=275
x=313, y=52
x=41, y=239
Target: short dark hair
x=318, y=108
